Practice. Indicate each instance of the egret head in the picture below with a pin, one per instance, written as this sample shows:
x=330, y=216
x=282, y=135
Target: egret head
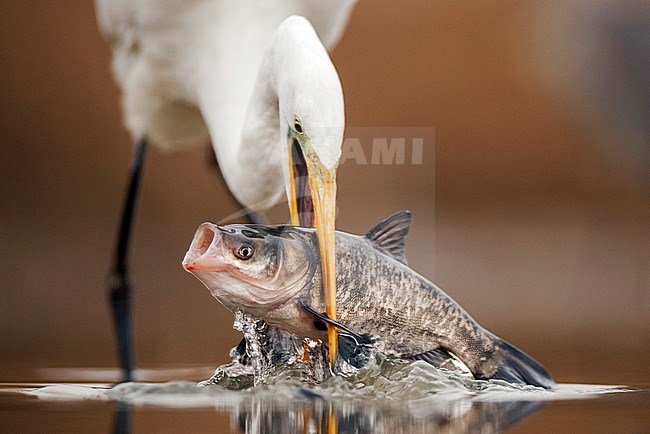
x=315, y=114
x=312, y=119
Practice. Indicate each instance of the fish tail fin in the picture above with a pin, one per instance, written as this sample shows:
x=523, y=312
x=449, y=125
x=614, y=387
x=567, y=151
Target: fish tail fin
x=518, y=367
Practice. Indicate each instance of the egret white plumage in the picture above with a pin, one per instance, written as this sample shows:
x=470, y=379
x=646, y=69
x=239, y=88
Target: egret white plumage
x=259, y=85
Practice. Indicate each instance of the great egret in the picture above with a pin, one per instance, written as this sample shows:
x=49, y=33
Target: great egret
x=269, y=100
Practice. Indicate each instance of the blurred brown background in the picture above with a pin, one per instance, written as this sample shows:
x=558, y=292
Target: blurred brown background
x=524, y=212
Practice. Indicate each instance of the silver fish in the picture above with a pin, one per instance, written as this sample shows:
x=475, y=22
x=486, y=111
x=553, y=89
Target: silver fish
x=273, y=273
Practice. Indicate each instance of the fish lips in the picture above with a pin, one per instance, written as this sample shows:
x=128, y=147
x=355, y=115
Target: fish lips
x=205, y=252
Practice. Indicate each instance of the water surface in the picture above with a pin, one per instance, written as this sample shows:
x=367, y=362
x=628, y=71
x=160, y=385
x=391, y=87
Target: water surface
x=409, y=398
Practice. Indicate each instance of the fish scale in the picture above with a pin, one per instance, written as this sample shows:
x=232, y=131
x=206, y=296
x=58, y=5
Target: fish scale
x=376, y=290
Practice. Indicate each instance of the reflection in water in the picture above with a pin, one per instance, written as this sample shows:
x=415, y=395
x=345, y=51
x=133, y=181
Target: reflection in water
x=121, y=418
x=320, y=416
x=285, y=408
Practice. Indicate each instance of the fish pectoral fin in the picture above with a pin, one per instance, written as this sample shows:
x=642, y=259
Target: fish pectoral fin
x=354, y=348
x=323, y=317
x=388, y=235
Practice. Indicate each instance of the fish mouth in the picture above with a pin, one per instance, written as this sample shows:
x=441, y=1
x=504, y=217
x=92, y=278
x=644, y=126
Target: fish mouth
x=205, y=251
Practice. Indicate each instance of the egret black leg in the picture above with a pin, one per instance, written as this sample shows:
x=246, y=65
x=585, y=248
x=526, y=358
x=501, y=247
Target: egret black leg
x=120, y=288
x=122, y=418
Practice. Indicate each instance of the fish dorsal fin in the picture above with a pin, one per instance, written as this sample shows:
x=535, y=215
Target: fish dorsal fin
x=389, y=234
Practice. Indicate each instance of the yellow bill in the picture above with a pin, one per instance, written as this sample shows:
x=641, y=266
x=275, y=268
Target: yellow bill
x=312, y=203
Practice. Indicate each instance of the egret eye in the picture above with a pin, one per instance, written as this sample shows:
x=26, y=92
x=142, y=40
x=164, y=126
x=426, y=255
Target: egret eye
x=244, y=252
x=297, y=125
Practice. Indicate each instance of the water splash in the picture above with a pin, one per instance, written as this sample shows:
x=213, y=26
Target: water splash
x=275, y=357
x=270, y=355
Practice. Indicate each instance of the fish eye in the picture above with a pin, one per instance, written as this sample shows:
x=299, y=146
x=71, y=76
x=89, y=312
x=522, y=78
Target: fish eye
x=297, y=126
x=244, y=252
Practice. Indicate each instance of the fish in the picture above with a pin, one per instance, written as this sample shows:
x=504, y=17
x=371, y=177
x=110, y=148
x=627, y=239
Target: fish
x=272, y=272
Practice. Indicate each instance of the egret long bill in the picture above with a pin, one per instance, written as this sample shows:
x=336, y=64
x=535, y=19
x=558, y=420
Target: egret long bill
x=312, y=203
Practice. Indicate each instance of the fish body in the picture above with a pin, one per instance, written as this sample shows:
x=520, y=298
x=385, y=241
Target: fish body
x=271, y=272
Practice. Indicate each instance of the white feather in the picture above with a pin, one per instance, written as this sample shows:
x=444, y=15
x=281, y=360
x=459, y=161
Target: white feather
x=198, y=70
